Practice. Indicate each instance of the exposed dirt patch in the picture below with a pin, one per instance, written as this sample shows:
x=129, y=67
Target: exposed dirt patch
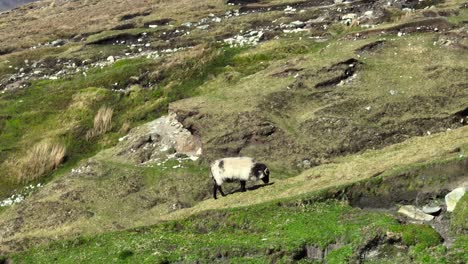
x=158, y=22
x=371, y=47
x=315, y=253
x=126, y=37
x=437, y=71
x=462, y=116
x=10, y=227
x=123, y=26
x=342, y=71
x=287, y=72
x=336, y=74
x=247, y=131
x=299, y=4
x=416, y=4
x=413, y=187
x=6, y=50
x=444, y=13
x=381, y=247
x=135, y=14
x=244, y=133
x=242, y=2
x=44, y=215
x=127, y=185
x=420, y=25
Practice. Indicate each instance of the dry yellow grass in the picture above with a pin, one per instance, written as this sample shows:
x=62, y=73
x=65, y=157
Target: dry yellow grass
x=102, y=122
x=43, y=158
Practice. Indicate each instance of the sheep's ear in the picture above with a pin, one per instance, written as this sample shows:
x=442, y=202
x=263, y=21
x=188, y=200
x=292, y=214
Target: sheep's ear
x=266, y=171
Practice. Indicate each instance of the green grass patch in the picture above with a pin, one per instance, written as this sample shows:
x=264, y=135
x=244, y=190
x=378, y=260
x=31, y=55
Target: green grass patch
x=255, y=234
x=459, y=223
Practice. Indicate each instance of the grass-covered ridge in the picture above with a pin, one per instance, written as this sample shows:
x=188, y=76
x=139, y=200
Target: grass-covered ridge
x=256, y=234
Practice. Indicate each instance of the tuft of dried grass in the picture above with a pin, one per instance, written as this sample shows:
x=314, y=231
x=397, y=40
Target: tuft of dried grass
x=43, y=158
x=102, y=122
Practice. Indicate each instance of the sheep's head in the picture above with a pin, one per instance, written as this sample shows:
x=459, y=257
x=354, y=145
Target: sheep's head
x=266, y=177
x=262, y=172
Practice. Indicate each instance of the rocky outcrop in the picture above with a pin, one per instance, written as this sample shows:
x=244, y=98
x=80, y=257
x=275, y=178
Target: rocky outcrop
x=154, y=140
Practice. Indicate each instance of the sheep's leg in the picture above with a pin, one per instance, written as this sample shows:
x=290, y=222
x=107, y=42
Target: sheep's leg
x=242, y=186
x=215, y=188
x=221, y=190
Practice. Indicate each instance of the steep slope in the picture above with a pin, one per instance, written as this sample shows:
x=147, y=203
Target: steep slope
x=327, y=94
x=280, y=230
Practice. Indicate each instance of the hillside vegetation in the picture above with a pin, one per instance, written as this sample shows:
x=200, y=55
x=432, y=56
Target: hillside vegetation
x=111, y=114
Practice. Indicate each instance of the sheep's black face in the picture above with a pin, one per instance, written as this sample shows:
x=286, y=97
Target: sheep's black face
x=266, y=175
x=266, y=179
x=260, y=171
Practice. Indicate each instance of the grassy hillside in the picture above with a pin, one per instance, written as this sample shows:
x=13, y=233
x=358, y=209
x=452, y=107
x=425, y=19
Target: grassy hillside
x=349, y=104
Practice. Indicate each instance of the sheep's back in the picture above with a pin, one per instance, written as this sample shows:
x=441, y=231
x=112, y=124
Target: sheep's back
x=232, y=168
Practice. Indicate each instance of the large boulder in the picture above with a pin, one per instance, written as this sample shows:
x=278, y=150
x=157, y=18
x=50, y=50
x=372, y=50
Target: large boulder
x=452, y=198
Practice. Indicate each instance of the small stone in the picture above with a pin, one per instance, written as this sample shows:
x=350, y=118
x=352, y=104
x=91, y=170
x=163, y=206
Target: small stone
x=432, y=210
x=110, y=59
x=58, y=42
x=349, y=16
x=412, y=212
x=452, y=198
x=369, y=13
x=297, y=23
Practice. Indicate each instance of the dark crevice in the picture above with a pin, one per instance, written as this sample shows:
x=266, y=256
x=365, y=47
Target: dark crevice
x=346, y=69
x=133, y=15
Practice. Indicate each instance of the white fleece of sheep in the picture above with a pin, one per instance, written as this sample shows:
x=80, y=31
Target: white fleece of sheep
x=233, y=168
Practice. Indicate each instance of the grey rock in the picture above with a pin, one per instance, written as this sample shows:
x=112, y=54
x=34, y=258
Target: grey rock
x=432, y=210
x=412, y=212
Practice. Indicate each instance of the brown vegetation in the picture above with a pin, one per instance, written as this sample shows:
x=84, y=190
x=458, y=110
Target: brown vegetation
x=102, y=122
x=43, y=158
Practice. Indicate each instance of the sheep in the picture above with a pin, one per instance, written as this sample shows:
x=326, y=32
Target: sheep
x=240, y=168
